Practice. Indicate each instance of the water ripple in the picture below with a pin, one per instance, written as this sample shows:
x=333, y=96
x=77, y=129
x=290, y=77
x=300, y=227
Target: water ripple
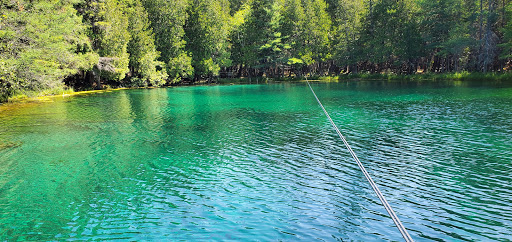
x=260, y=162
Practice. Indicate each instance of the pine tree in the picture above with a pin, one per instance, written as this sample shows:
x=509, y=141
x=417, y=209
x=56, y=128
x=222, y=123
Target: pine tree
x=390, y=38
x=147, y=70
x=251, y=35
x=207, y=30
x=167, y=20
x=507, y=38
x=314, y=43
x=347, y=27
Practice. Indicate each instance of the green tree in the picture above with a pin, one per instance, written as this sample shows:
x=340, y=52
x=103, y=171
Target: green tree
x=390, y=38
x=207, y=30
x=489, y=40
x=41, y=43
x=146, y=69
x=275, y=52
x=507, y=32
x=438, y=19
x=250, y=34
x=111, y=37
x=347, y=26
x=236, y=5
x=167, y=20
x=238, y=38
x=292, y=28
x=314, y=42
x=289, y=32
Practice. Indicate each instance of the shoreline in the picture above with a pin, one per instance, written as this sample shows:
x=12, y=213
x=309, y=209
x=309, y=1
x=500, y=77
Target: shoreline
x=231, y=81
x=16, y=102
x=460, y=76
x=42, y=98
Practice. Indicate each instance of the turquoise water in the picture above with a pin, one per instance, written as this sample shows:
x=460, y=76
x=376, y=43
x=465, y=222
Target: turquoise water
x=260, y=162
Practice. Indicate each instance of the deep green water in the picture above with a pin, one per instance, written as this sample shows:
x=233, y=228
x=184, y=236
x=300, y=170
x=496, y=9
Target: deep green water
x=260, y=162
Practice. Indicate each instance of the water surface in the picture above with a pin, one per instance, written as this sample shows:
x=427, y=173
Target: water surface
x=260, y=162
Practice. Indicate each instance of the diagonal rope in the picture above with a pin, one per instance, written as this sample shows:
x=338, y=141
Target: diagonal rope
x=385, y=203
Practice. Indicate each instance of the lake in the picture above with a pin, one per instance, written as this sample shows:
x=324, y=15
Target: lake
x=260, y=162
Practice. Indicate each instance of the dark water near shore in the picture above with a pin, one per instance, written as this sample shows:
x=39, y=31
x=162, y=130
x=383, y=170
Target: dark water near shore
x=260, y=162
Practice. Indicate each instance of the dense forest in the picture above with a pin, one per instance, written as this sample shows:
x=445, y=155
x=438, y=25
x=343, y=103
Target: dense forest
x=95, y=43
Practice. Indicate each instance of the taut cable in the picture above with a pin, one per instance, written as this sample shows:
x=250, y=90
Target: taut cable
x=385, y=203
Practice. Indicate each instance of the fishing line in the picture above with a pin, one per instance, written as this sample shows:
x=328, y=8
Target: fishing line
x=385, y=203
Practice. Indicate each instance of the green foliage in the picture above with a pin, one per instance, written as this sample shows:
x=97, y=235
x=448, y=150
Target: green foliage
x=207, y=30
x=293, y=19
x=112, y=36
x=348, y=16
x=181, y=68
x=274, y=52
x=507, y=35
x=390, y=35
x=444, y=35
x=167, y=19
x=437, y=19
x=41, y=43
x=154, y=42
x=287, y=31
x=141, y=47
x=236, y=5
x=314, y=43
x=241, y=51
x=455, y=76
x=253, y=33
x=8, y=80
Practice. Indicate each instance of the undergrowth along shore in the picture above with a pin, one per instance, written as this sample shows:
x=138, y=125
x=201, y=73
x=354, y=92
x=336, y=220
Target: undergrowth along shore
x=25, y=94
x=459, y=76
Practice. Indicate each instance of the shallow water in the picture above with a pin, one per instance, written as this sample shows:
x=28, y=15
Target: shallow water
x=260, y=162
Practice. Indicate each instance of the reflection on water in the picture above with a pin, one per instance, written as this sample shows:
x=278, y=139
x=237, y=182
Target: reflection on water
x=260, y=162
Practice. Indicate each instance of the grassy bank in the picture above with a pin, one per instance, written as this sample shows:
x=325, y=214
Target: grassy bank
x=27, y=94
x=46, y=94
x=256, y=80
x=459, y=76
x=21, y=96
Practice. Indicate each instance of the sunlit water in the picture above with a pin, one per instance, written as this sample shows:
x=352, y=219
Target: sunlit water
x=260, y=162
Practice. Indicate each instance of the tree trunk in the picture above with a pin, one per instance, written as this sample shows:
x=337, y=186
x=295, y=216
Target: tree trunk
x=490, y=40
x=481, y=20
